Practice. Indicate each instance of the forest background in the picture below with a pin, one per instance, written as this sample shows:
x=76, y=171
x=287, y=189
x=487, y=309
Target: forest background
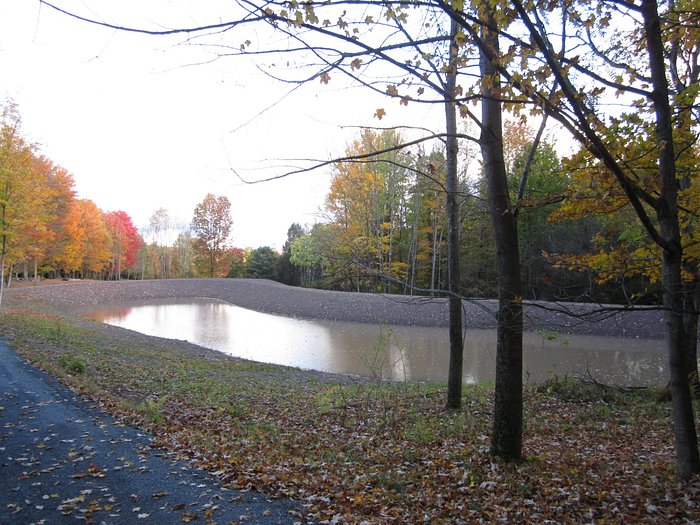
x=383, y=228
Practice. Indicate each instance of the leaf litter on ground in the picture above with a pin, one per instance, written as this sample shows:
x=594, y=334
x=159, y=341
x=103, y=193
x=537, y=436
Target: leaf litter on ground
x=359, y=451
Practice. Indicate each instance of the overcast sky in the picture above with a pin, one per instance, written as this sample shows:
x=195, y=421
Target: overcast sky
x=146, y=122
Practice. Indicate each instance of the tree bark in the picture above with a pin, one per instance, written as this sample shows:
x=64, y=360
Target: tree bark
x=691, y=306
x=434, y=262
x=686, y=441
x=508, y=408
x=454, y=375
x=3, y=253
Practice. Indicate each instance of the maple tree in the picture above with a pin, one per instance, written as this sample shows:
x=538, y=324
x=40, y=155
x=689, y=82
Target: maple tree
x=13, y=161
x=88, y=244
x=30, y=188
x=366, y=206
x=45, y=226
x=385, y=220
x=211, y=226
x=239, y=262
x=60, y=194
x=29, y=216
x=125, y=242
x=42, y=220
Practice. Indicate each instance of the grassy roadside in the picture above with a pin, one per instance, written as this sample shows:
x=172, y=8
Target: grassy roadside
x=369, y=452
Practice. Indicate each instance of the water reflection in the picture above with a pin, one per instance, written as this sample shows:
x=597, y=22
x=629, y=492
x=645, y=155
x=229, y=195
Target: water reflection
x=386, y=352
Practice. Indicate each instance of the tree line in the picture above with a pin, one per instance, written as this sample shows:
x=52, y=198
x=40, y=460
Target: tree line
x=46, y=231
x=44, y=228
x=201, y=248
x=385, y=228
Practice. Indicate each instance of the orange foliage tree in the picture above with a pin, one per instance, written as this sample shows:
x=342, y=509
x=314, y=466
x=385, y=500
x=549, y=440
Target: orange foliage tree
x=26, y=195
x=86, y=240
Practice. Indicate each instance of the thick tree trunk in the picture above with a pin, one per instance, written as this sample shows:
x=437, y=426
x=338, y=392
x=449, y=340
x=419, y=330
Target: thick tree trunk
x=454, y=375
x=508, y=410
x=686, y=441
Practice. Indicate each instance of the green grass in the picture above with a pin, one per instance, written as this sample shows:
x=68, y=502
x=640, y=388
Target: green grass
x=72, y=364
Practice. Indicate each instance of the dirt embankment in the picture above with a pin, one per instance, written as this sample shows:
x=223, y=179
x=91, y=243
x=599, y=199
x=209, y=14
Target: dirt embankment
x=276, y=298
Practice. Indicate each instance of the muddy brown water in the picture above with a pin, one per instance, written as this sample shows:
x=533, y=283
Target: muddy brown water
x=383, y=351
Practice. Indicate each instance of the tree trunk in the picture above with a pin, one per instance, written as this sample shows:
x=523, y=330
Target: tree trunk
x=508, y=409
x=686, y=441
x=390, y=254
x=454, y=375
x=3, y=253
x=691, y=304
x=434, y=262
x=413, y=247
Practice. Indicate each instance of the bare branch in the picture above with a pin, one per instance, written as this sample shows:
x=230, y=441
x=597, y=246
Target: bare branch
x=162, y=32
x=318, y=164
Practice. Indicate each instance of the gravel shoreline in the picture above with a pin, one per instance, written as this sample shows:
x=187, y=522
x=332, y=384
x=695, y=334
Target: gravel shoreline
x=271, y=297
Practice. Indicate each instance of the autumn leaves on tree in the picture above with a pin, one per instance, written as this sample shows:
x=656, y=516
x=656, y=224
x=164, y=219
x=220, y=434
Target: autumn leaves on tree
x=211, y=226
x=45, y=229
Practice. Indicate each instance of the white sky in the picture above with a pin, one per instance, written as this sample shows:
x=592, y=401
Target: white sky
x=140, y=127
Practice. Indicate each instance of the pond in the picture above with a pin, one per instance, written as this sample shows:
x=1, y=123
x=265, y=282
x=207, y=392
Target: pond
x=385, y=352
